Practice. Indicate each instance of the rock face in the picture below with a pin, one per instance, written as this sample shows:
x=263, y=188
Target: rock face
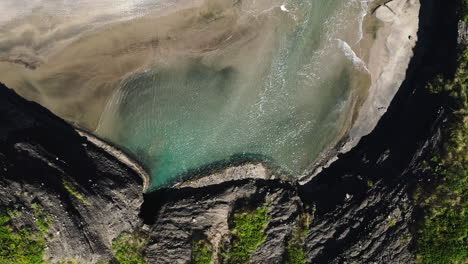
x=463, y=33
x=206, y=211
x=233, y=173
x=363, y=208
x=91, y=196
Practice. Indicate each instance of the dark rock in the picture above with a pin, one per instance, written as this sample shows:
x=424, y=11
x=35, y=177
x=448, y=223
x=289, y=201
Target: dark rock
x=463, y=33
x=187, y=212
x=374, y=226
x=39, y=155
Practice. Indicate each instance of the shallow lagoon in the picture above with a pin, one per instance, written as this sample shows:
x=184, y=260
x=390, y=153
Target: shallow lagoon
x=291, y=107
x=184, y=84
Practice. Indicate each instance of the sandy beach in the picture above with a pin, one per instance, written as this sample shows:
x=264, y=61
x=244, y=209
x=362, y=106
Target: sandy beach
x=389, y=36
x=390, y=51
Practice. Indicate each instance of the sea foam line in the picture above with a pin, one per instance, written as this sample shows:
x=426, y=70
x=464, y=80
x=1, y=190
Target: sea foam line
x=364, y=8
x=351, y=55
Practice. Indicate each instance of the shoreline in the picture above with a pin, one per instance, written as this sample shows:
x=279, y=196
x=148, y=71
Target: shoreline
x=119, y=154
x=387, y=61
x=387, y=51
x=388, y=58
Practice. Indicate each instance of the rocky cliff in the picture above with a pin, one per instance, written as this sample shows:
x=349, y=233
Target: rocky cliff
x=88, y=196
x=83, y=200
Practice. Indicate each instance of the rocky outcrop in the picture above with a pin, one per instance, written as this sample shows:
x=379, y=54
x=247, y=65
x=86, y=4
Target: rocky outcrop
x=361, y=205
x=364, y=209
x=233, y=173
x=463, y=33
x=91, y=196
x=364, y=199
x=207, y=211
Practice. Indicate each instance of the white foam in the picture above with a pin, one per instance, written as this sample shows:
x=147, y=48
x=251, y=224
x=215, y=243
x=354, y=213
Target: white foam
x=283, y=8
x=364, y=4
x=351, y=55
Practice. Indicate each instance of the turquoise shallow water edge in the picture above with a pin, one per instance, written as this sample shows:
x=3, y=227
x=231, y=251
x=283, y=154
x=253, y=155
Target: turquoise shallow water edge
x=290, y=108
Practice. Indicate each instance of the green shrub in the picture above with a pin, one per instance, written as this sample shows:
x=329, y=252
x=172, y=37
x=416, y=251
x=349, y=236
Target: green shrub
x=43, y=220
x=128, y=248
x=392, y=222
x=20, y=246
x=443, y=237
x=73, y=191
x=202, y=252
x=295, y=253
x=248, y=233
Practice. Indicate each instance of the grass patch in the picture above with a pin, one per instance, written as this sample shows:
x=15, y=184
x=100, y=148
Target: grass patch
x=73, y=191
x=75, y=262
x=129, y=248
x=295, y=253
x=392, y=222
x=248, y=232
x=202, y=252
x=22, y=245
x=443, y=237
x=43, y=220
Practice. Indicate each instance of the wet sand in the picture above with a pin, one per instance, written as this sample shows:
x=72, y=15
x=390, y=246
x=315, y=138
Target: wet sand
x=77, y=76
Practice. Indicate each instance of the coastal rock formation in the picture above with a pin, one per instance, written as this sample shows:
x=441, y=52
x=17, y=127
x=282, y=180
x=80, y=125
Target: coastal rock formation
x=208, y=211
x=358, y=210
x=90, y=196
x=364, y=200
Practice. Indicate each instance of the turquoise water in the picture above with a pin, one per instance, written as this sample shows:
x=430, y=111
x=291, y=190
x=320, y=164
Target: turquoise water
x=289, y=100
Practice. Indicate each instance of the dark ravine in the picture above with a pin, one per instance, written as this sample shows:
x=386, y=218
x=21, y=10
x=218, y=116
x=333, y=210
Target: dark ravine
x=361, y=205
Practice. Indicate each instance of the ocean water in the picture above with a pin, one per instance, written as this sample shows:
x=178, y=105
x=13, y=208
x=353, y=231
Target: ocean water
x=184, y=84
x=289, y=102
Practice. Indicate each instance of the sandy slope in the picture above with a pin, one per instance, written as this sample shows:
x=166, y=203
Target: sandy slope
x=389, y=57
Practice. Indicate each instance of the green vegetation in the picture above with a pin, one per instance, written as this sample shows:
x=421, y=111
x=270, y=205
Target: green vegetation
x=443, y=237
x=128, y=248
x=248, y=233
x=202, y=252
x=392, y=222
x=22, y=245
x=73, y=191
x=295, y=253
x=76, y=262
x=72, y=262
x=43, y=220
